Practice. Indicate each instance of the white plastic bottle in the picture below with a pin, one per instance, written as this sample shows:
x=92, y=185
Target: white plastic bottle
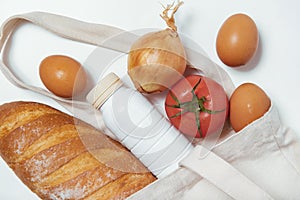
x=139, y=126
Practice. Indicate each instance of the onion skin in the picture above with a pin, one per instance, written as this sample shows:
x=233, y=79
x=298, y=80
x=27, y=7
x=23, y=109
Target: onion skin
x=156, y=61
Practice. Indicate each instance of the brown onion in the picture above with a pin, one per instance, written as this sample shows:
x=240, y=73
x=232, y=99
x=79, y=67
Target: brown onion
x=157, y=60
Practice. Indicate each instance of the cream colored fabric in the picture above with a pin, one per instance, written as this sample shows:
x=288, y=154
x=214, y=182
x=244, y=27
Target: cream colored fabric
x=260, y=162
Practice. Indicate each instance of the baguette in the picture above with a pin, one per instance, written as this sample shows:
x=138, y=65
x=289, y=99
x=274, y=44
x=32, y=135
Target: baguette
x=60, y=157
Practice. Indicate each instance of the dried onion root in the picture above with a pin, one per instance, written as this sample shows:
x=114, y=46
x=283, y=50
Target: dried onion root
x=157, y=60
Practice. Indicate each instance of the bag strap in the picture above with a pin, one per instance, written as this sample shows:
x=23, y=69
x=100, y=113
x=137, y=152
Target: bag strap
x=223, y=175
x=66, y=27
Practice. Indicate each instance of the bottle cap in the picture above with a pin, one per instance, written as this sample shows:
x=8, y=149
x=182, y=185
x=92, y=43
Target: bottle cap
x=103, y=90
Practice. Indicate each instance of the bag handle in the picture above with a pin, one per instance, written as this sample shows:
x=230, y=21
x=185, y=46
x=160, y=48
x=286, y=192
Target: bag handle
x=69, y=28
x=224, y=176
x=66, y=27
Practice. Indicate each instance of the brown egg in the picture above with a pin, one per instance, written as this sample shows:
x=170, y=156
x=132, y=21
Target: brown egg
x=247, y=103
x=237, y=40
x=62, y=75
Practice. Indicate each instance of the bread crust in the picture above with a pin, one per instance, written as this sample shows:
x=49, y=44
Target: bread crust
x=60, y=157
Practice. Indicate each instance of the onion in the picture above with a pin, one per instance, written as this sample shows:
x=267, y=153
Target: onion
x=157, y=60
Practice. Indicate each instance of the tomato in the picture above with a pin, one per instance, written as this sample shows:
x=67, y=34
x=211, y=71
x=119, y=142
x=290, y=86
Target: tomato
x=197, y=106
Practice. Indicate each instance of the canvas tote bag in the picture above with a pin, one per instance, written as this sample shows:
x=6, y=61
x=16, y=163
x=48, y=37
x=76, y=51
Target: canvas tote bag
x=262, y=161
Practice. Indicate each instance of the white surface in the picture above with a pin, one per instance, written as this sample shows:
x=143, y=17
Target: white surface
x=276, y=67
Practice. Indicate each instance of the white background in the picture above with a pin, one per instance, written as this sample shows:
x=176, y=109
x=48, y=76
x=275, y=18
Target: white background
x=276, y=67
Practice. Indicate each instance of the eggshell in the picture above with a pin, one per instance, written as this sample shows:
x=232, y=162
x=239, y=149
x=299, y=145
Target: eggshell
x=237, y=40
x=62, y=75
x=247, y=103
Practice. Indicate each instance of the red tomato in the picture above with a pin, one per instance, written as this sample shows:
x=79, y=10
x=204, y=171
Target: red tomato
x=197, y=106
